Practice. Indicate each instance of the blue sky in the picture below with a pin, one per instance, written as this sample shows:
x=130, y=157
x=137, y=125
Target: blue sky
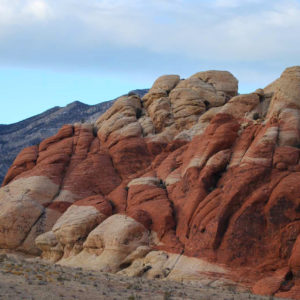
x=53, y=52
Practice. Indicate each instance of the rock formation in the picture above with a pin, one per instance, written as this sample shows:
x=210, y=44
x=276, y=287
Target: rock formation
x=31, y=131
x=190, y=179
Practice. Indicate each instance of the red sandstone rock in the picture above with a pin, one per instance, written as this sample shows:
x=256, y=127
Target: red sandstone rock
x=223, y=187
x=25, y=161
x=271, y=284
x=101, y=204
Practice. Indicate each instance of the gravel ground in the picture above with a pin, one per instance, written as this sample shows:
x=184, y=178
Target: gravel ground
x=32, y=278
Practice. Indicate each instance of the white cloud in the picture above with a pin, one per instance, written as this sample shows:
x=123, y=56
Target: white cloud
x=227, y=3
x=116, y=34
x=22, y=13
x=195, y=29
x=38, y=9
x=6, y=11
x=233, y=3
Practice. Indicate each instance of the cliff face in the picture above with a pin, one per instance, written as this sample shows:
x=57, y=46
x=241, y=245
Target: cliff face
x=191, y=179
x=29, y=132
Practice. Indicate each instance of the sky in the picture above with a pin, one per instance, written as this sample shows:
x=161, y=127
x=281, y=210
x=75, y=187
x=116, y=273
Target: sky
x=53, y=52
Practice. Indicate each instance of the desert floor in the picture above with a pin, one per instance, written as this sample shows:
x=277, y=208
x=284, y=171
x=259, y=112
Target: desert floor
x=32, y=278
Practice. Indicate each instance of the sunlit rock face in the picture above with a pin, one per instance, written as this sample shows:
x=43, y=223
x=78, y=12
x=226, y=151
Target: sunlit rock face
x=191, y=180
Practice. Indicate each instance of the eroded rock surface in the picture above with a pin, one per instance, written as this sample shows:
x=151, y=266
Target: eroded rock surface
x=192, y=179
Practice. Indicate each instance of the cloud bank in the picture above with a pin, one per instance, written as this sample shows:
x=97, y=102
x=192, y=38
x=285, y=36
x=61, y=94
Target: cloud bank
x=253, y=38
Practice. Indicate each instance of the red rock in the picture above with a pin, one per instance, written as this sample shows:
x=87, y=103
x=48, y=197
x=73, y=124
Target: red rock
x=119, y=198
x=64, y=132
x=101, y=204
x=130, y=156
x=25, y=161
x=58, y=206
x=287, y=155
x=270, y=285
x=148, y=198
x=294, y=262
x=290, y=290
x=283, y=205
x=142, y=217
x=225, y=189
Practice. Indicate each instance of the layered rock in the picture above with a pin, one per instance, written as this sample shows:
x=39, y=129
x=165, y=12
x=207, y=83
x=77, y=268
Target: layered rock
x=192, y=180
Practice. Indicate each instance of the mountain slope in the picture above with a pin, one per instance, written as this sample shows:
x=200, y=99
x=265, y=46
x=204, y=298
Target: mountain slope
x=15, y=137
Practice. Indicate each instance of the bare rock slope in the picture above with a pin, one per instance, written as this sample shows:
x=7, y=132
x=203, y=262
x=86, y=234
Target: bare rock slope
x=190, y=180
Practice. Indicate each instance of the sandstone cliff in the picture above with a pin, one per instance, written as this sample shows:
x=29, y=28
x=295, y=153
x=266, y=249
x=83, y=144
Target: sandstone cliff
x=191, y=179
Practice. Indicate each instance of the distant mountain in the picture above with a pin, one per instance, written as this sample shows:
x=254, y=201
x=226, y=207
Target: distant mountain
x=31, y=131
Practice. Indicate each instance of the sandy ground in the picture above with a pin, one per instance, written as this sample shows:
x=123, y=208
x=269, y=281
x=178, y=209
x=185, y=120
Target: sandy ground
x=32, y=278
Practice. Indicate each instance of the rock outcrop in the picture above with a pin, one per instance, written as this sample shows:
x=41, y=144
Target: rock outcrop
x=190, y=179
x=31, y=131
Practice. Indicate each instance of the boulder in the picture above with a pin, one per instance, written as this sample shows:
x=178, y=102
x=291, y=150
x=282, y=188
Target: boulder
x=224, y=82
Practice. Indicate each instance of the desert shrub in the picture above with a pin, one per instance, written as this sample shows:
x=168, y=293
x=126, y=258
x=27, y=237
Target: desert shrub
x=167, y=295
x=256, y=116
x=162, y=185
x=138, y=113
